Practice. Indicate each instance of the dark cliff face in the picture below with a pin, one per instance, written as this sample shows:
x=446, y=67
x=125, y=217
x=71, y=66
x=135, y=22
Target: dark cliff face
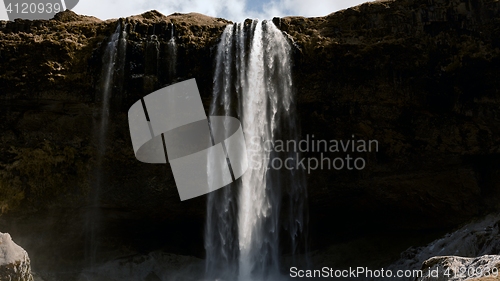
x=420, y=77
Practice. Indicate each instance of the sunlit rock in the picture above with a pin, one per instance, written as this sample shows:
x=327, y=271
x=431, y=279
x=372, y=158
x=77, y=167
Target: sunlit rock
x=453, y=268
x=14, y=260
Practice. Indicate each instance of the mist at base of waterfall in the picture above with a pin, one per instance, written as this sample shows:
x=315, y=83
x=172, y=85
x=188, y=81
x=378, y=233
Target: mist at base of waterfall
x=158, y=266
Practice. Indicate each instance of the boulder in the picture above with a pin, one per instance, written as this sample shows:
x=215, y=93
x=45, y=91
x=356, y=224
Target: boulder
x=454, y=254
x=14, y=261
x=453, y=268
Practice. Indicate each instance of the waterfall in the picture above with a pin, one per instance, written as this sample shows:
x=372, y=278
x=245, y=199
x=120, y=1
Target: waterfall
x=221, y=241
x=172, y=54
x=253, y=81
x=107, y=74
x=112, y=62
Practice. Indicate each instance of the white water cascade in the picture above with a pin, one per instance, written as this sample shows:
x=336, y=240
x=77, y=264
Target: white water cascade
x=253, y=81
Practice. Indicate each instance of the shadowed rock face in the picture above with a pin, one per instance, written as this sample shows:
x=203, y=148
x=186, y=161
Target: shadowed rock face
x=420, y=77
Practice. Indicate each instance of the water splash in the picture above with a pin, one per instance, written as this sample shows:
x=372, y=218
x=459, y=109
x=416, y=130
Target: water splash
x=253, y=81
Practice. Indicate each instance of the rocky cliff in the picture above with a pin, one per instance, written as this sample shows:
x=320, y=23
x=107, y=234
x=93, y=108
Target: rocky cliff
x=421, y=78
x=418, y=76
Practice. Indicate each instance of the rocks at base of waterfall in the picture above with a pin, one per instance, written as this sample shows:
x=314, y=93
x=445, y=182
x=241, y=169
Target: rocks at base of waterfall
x=475, y=239
x=14, y=260
x=453, y=268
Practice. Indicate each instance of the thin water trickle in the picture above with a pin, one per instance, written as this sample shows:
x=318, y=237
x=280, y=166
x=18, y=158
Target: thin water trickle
x=172, y=54
x=113, y=55
x=253, y=81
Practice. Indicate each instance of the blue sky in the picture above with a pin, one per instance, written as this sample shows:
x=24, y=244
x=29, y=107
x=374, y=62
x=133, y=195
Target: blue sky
x=228, y=9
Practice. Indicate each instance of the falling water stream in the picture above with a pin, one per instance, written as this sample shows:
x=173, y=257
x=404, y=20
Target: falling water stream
x=253, y=81
x=172, y=54
x=112, y=58
x=247, y=221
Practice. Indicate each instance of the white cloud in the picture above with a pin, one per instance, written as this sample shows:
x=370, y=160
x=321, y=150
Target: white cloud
x=108, y=9
x=312, y=7
x=229, y=9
